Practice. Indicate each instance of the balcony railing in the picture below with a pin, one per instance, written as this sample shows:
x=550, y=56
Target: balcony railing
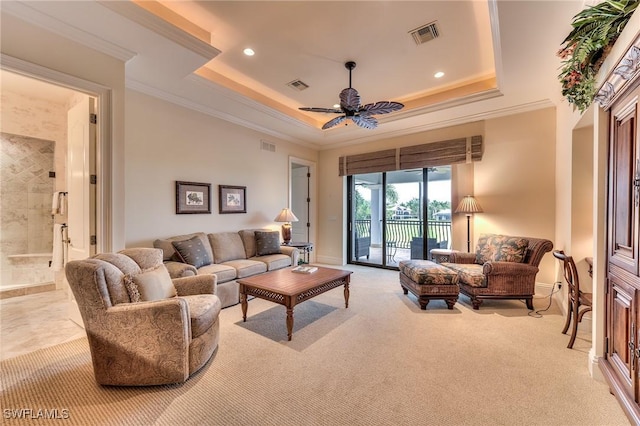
x=402, y=232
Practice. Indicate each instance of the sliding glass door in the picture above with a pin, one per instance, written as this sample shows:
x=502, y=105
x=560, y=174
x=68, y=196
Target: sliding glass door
x=399, y=215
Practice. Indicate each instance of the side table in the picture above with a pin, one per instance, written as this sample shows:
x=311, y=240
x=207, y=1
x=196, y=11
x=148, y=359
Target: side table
x=305, y=248
x=441, y=255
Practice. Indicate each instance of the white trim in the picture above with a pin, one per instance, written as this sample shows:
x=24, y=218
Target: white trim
x=104, y=227
x=495, y=32
x=159, y=26
x=465, y=119
x=42, y=20
x=190, y=104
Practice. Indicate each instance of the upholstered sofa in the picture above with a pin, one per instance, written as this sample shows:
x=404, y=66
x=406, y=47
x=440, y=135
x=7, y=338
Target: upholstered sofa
x=143, y=327
x=227, y=255
x=503, y=267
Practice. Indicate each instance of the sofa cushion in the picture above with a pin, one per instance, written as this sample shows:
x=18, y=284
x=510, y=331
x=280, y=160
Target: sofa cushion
x=248, y=237
x=192, y=251
x=169, y=253
x=152, y=284
x=426, y=272
x=124, y=263
x=203, y=312
x=226, y=246
x=224, y=273
x=468, y=273
x=247, y=267
x=501, y=248
x=274, y=261
x=267, y=242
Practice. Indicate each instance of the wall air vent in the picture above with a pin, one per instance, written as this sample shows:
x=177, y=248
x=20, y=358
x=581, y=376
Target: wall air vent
x=298, y=85
x=425, y=33
x=267, y=146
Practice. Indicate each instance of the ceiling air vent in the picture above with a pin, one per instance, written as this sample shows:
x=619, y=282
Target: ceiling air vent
x=298, y=85
x=425, y=33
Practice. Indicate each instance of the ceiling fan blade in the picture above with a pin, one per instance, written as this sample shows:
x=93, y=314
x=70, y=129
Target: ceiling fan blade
x=329, y=110
x=349, y=99
x=365, y=121
x=382, y=107
x=334, y=122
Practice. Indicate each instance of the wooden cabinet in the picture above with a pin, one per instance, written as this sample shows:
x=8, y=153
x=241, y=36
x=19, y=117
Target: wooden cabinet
x=621, y=364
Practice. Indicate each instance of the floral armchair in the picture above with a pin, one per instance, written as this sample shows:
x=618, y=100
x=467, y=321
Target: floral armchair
x=143, y=327
x=503, y=267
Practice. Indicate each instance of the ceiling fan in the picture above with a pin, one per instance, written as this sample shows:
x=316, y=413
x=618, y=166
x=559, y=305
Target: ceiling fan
x=350, y=106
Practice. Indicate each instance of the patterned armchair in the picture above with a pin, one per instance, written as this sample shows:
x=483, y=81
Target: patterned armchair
x=143, y=327
x=503, y=267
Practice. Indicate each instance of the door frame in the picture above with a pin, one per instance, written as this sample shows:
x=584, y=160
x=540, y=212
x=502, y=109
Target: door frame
x=104, y=190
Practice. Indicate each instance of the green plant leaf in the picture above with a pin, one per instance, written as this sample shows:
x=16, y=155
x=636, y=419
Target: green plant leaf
x=594, y=30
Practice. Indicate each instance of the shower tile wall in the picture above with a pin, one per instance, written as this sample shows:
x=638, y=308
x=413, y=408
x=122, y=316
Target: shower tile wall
x=26, y=192
x=43, y=124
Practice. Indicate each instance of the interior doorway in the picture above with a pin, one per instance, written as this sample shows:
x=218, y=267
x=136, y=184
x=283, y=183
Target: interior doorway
x=41, y=85
x=302, y=200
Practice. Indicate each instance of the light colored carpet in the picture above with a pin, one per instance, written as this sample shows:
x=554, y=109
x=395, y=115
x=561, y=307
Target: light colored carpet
x=382, y=361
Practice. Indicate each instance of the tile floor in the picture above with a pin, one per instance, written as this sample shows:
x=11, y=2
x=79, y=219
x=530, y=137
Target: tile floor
x=35, y=321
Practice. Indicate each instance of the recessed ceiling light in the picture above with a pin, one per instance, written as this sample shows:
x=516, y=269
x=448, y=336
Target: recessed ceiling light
x=249, y=52
x=336, y=105
x=439, y=74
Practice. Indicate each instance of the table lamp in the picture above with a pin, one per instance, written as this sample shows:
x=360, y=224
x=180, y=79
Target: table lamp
x=468, y=205
x=286, y=216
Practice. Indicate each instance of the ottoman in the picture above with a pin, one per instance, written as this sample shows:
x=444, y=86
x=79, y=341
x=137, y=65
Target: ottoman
x=428, y=280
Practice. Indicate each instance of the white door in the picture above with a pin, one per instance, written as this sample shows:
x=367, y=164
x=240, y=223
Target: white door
x=299, y=203
x=81, y=166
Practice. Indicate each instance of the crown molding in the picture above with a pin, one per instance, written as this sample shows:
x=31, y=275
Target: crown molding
x=462, y=119
x=36, y=17
x=159, y=26
x=213, y=112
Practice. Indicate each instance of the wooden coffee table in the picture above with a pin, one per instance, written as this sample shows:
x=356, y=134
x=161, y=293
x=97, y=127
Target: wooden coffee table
x=289, y=288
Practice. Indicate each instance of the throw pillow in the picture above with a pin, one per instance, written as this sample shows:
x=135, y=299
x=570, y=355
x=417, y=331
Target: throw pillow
x=513, y=249
x=267, y=242
x=484, y=252
x=192, y=251
x=501, y=248
x=132, y=288
x=153, y=284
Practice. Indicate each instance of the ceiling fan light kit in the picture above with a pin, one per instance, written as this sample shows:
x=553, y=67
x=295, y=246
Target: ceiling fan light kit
x=361, y=115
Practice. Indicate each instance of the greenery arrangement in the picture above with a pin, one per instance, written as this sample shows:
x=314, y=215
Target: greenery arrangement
x=595, y=30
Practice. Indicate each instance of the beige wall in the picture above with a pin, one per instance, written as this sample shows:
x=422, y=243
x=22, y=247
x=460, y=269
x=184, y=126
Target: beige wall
x=515, y=181
x=582, y=201
x=167, y=143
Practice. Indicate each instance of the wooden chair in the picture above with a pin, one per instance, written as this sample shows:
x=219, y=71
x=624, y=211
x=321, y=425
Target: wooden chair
x=575, y=297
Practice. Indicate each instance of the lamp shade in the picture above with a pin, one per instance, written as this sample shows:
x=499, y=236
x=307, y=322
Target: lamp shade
x=286, y=215
x=468, y=205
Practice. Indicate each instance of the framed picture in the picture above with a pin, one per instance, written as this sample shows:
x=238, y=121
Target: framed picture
x=193, y=197
x=233, y=199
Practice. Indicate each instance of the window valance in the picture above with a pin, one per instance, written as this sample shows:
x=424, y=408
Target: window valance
x=454, y=151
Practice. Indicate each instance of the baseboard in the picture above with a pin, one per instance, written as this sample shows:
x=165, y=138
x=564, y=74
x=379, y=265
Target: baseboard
x=543, y=289
x=17, y=291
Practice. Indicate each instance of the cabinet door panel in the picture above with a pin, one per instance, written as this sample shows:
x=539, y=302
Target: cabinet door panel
x=624, y=198
x=622, y=339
